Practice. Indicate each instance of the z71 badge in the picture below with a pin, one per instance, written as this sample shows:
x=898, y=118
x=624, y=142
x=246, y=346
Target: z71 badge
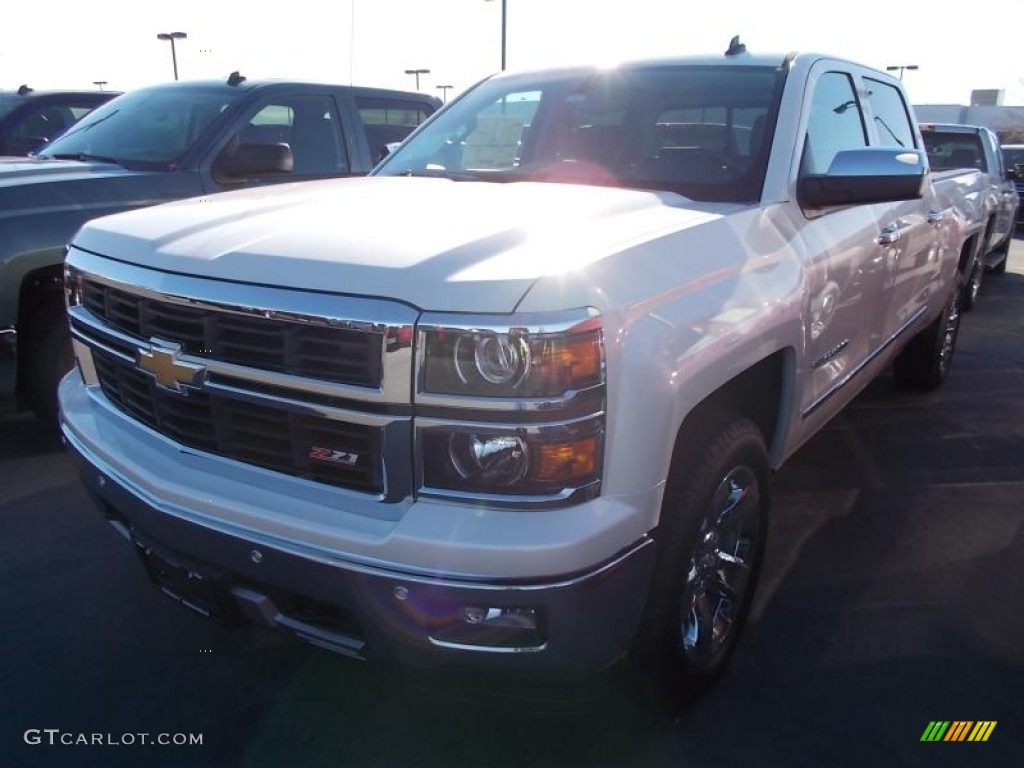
x=344, y=458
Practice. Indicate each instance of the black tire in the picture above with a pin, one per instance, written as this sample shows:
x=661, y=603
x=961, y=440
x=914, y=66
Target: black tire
x=48, y=356
x=678, y=645
x=969, y=297
x=927, y=359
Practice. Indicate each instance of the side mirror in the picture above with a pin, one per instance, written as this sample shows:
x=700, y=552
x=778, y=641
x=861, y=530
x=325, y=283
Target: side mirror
x=258, y=160
x=865, y=176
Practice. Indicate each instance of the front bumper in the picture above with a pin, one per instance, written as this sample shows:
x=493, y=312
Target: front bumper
x=561, y=628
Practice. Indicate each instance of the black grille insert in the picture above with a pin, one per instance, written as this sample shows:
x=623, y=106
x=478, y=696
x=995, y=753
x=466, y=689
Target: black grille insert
x=342, y=355
x=255, y=433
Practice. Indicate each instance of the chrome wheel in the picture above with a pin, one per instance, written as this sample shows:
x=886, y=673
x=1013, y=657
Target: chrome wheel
x=720, y=567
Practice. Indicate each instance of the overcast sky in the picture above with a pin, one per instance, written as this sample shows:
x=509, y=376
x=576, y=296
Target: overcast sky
x=71, y=43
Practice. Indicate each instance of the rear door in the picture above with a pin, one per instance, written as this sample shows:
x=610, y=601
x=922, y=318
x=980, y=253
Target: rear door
x=907, y=231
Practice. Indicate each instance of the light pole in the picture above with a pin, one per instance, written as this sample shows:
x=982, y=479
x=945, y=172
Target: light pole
x=172, y=36
x=417, y=73
x=444, y=92
x=901, y=68
x=99, y=83
x=504, y=16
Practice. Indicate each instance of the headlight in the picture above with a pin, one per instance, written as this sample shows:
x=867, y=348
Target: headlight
x=552, y=460
x=530, y=357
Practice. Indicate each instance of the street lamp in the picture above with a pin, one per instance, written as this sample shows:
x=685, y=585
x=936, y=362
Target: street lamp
x=901, y=67
x=99, y=83
x=444, y=92
x=417, y=73
x=172, y=36
x=504, y=9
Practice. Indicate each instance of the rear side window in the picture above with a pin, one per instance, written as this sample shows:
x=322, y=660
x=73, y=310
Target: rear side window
x=389, y=120
x=836, y=122
x=892, y=118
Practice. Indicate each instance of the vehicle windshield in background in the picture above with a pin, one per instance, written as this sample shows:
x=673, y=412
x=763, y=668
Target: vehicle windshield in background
x=149, y=128
x=951, y=151
x=701, y=131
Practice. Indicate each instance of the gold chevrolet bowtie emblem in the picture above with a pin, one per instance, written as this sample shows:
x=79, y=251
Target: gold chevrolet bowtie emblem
x=162, y=363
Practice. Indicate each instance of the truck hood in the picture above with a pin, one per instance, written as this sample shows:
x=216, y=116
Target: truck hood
x=433, y=243
x=42, y=186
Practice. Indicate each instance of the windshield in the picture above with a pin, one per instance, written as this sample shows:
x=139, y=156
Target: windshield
x=8, y=102
x=152, y=127
x=696, y=130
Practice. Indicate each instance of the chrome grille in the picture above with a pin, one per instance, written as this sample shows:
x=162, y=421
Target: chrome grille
x=254, y=433
x=342, y=355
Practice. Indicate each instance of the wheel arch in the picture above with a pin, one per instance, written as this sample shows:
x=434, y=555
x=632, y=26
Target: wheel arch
x=764, y=393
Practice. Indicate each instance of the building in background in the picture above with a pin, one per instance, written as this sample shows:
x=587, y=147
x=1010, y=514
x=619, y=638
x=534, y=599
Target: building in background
x=986, y=108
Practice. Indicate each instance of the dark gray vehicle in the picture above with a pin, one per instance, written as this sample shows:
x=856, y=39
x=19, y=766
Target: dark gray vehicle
x=30, y=119
x=155, y=145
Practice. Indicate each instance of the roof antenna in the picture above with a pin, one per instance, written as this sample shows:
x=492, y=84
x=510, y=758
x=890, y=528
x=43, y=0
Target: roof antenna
x=24, y=90
x=736, y=47
x=235, y=78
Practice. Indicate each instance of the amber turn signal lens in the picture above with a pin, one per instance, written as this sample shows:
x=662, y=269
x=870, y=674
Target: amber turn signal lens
x=573, y=362
x=565, y=462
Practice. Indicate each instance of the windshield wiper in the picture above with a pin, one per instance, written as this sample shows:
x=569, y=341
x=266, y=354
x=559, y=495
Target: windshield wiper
x=496, y=176
x=84, y=157
x=80, y=128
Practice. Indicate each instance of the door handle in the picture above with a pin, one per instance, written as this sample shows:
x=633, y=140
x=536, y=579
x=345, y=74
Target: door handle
x=934, y=217
x=889, y=236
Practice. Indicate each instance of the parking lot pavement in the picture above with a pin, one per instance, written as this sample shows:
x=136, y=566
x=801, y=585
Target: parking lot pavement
x=891, y=598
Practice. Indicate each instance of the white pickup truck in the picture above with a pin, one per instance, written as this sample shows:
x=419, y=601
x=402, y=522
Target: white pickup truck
x=513, y=400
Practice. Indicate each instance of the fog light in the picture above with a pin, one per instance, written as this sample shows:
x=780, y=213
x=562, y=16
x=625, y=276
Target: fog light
x=516, y=618
x=494, y=630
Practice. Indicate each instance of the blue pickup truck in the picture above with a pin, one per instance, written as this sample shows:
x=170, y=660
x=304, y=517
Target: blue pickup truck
x=155, y=145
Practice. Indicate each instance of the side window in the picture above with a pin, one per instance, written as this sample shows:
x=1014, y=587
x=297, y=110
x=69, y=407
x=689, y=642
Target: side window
x=387, y=121
x=309, y=125
x=79, y=112
x=45, y=122
x=891, y=117
x=80, y=109
x=836, y=122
